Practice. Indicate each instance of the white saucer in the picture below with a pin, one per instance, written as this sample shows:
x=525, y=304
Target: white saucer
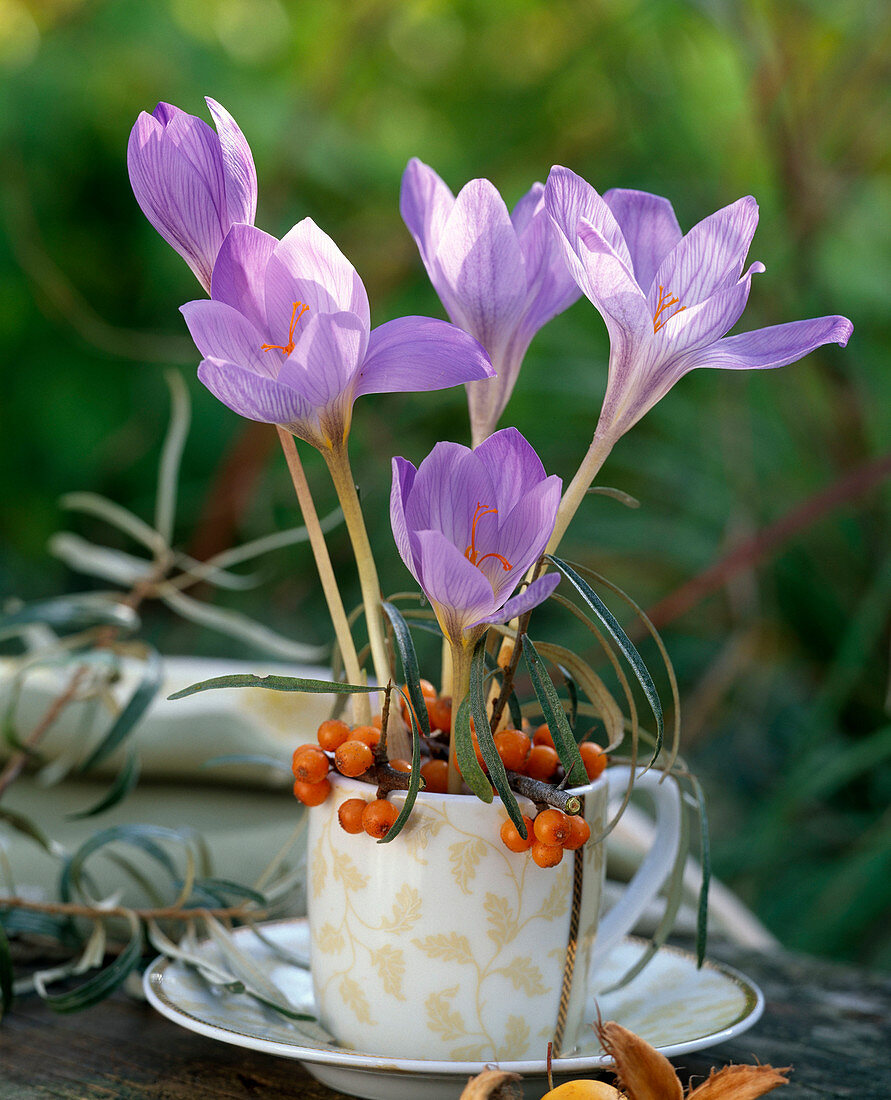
x=671, y=1004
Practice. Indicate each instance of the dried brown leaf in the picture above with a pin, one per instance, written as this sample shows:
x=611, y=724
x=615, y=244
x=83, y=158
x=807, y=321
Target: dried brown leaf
x=492, y=1084
x=740, y=1083
x=643, y=1073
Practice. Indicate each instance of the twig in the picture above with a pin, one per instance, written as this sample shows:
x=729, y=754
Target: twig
x=769, y=539
x=538, y=791
x=17, y=762
x=170, y=912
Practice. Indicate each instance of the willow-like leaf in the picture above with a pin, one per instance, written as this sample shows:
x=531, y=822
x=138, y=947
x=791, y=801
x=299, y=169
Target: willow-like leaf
x=135, y=708
x=95, y=505
x=605, y=706
x=414, y=779
x=143, y=837
x=705, y=862
x=83, y=556
x=471, y=772
x=6, y=977
x=70, y=613
x=258, y=758
x=617, y=494
x=171, y=455
x=236, y=625
x=622, y=640
x=573, y=692
x=26, y=827
x=256, y=981
x=410, y=669
x=554, y=715
x=224, y=887
x=590, y=574
x=275, y=683
x=494, y=763
x=104, y=983
x=124, y=782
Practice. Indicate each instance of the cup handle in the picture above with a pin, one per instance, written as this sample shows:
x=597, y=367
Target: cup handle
x=658, y=862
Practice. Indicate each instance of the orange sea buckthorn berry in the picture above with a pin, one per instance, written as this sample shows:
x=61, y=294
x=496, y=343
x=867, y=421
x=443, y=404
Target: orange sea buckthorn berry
x=541, y=763
x=377, y=721
x=378, y=818
x=546, y=855
x=510, y=835
x=428, y=690
x=543, y=736
x=332, y=734
x=352, y=758
x=310, y=765
x=312, y=794
x=369, y=735
x=349, y=814
x=552, y=826
x=579, y=833
x=439, y=711
x=593, y=757
x=436, y=775
x=400, y=765
x=513, y=748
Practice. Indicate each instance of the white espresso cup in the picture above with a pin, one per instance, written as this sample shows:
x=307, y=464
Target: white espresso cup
x=443, y=944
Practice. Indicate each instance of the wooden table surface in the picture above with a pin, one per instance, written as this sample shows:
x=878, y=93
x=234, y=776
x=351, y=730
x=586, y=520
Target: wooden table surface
x=832, y=1023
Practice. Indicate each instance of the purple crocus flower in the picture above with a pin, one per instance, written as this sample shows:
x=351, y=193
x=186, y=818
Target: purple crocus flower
x=286, y=336
x=469, y=523
x=499, y=276
x=668, y=299
x=192, y=184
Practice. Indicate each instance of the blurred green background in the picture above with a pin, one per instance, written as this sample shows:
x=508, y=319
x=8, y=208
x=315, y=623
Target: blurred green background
x=784, y=663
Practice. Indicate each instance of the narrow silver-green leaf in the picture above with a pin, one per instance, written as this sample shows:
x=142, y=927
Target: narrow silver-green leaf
x=414, y=781
x=70, y=613
x=494, y=763
x=554, y=715
x=622, y=640
x=617, y=494
x=410, y=669
x=26, y=827
x=6, y=976
x=104, y=983
x=136, y=706
x=705, y=861
x=143, y=837
x=125, y=781
x=275, y=683
x=471, y=772
x=171, y=455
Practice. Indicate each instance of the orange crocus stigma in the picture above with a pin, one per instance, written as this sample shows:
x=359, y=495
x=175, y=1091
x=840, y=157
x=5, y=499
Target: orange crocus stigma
x=286, y=349
x=471, y=553
x=665, y=302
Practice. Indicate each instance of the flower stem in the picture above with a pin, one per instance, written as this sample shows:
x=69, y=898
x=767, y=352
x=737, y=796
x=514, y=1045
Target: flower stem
x=361, y=703
x=339, y=466
x=578, y=487
x=462, y=656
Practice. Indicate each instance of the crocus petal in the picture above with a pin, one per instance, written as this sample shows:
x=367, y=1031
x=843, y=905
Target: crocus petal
x=526, y=207
x=513, y=466
x=524, y=533
x=326, y=358
x=178, y=201
x=531, y=596
x=425, y=203
x=649, y=226
x=239, y=275
x=403, y=479
x=254, y=396
x=420, y=353
x=708, y=321
x=450, y=483
x=480, y=261
x=570, y=200
x=611, y=286
x=711, y=256
x=238, y=165
x=459, y=592
x=221, y=332
x=307, y=266
x=774, y=346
